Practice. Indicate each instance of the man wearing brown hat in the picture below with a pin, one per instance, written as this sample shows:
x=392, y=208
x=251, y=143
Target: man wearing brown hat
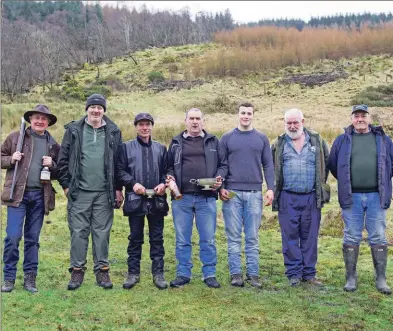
x=141, y=168
x=31, y=198
x=87, y=163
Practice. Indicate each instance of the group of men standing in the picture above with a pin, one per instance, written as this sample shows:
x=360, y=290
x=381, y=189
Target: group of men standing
x=93, y=166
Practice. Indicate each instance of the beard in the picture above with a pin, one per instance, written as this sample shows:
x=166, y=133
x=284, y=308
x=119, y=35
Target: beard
x=294, y=134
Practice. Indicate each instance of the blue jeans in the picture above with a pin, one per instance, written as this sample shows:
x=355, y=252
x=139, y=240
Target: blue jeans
x=366, y=208
x=205, y=211
x=244, y=209
x=30, y=212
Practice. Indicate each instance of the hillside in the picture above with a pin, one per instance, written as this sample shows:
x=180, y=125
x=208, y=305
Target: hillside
x=326, y=107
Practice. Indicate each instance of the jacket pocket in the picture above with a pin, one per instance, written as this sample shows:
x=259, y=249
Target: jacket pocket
x=160, y=204
x=325, y=193
x=5, y=196
x=133, y=202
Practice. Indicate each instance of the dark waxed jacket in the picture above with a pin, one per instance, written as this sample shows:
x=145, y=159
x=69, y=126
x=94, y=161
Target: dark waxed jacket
x=7, y=149
x=340, y=165
x=134, y=158
x=216, y=164
x=321, y=172
x=69, y=164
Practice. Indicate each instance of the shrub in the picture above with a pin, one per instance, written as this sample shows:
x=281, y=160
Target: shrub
x=71, y=83
x=217, y=104
x=81, y=93
x=169, y=59
x=112, y=81
x=379, y=96
x=155, y=76
x=67, y=77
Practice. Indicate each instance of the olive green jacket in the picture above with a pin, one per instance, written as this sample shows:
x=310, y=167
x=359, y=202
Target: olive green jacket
x=321, y=172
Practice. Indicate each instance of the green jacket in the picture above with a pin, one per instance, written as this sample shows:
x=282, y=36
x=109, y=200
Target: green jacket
x=321, y=173
x=69, y=162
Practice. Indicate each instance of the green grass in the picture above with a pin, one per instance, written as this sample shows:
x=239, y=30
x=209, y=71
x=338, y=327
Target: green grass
x=194, y=307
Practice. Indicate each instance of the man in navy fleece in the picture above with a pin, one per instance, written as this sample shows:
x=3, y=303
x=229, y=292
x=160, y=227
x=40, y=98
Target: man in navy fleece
x=247, y=151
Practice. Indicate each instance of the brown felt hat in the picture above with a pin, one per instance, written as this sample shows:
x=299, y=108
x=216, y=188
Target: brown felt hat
x=42, y=109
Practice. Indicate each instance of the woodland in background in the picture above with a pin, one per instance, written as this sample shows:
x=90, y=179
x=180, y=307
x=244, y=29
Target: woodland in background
x=42, y=40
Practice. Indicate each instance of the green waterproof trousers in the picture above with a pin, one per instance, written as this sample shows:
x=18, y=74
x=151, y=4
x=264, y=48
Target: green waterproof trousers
x=91, y=213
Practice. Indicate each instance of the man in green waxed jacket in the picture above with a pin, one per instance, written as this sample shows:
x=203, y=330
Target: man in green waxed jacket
x=300, y=164
x=86, y=171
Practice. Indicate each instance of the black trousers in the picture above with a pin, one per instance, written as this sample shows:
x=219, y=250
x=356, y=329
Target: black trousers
x=156, y=239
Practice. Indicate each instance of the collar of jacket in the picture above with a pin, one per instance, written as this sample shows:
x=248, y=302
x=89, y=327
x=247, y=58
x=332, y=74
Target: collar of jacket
x=48, y=136
x=111, y=127
x=139, y=139
x=309, y=132
x=179, y=137
x=374, y=129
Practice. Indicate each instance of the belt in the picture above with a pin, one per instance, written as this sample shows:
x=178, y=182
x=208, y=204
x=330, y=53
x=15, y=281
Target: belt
x=299, y=193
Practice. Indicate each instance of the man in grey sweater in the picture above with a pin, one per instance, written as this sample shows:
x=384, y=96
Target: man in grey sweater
x=247, y=151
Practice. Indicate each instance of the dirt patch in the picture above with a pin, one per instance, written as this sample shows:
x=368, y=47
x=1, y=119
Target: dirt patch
x=174, y=85
x=315, y=79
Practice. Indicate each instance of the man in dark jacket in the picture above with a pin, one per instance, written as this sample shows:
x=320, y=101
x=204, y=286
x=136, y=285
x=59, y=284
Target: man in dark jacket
x=361, y=159
x=193, y=154
x=87, y=164
x=141, y=167
x=300, y=158
x=31, y=197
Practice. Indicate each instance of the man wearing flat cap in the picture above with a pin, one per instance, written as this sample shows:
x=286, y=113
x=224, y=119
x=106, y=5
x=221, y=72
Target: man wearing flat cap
x=31, y=199
x=361, y=160
x=87, y=164
x=141, y=168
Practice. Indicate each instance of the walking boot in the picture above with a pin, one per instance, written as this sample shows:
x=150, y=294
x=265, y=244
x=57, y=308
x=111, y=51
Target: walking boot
x=180, y=281
x=350, y=253
x=103, y=280
x=380, y=258
x=76, y=281
x=131, y=281
x=237, y=280
x=160, y=282
x=29, y=282
x=254, y=281
x=8, y=285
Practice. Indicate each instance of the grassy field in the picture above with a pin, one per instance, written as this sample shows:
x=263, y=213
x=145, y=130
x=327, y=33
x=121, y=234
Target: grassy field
x=196, y=307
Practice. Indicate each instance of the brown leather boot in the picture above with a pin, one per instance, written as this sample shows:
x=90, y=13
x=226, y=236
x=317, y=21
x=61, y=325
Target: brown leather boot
x=76, y=281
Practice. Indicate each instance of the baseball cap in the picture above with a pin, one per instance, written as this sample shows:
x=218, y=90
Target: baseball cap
x=360, y=108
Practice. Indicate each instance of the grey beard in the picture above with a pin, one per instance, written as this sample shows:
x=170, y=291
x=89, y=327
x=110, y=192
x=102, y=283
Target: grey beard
x=294, y=135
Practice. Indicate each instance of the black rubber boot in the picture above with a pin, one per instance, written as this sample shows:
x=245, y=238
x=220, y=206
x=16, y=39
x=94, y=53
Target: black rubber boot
x=350, y=253
x=380, y=259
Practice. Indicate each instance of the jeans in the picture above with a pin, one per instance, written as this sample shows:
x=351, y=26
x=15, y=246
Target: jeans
x=30, y=212
x=366, y=209
x=243, y=210
x=205, y=211
x=299, y=220
x=156, y=228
